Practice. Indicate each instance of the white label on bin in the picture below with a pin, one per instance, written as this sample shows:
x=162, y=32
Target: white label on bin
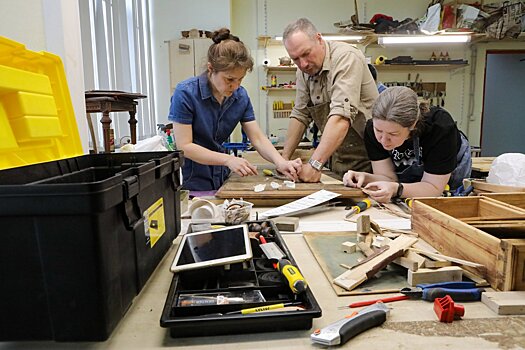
x=154, y=224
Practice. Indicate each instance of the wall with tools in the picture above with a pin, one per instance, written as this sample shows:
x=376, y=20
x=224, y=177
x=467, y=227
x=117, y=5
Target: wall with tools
x=458, y=89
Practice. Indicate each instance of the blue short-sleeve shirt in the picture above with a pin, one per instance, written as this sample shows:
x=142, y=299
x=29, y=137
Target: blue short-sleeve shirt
x=212, y=124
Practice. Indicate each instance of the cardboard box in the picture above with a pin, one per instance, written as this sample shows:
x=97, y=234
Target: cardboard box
x=439, y=222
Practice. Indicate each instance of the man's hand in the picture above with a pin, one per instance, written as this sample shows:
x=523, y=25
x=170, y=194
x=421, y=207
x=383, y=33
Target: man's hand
x=381, y=191
x=241, y=166
x=290, y=168
x=309, y=174
x=354, y=178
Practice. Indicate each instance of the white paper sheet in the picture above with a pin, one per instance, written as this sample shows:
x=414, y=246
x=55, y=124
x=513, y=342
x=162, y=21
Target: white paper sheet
x=301, y=204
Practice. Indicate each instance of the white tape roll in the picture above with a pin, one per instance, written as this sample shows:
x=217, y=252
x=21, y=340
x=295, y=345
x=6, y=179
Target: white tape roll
x=266, y=62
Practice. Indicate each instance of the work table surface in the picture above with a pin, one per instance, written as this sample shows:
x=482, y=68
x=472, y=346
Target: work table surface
x=411, y=324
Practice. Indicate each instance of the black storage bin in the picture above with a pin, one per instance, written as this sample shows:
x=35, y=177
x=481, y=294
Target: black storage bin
x=207, y=320
x=80, y=238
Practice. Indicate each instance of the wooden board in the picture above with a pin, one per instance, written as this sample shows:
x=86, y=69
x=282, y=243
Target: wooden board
x=326, y=248
x=484, y=187
x=482, y=164
x=505, y=303
x=516, y=199
x=237, y=187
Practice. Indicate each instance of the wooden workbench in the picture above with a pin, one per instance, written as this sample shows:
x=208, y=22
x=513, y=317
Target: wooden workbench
x=411, y=324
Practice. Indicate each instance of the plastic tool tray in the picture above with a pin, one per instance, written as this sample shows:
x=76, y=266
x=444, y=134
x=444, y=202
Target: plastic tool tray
x=186, y=316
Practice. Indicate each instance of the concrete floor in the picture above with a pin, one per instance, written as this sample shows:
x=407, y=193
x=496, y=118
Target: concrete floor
x=411, y=324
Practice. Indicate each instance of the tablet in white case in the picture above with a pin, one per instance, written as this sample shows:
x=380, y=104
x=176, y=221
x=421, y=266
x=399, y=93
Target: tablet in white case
x=221, y=246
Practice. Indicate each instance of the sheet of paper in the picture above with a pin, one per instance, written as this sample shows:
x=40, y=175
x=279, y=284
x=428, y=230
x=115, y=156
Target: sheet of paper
x=327, y=226
x=301, y=204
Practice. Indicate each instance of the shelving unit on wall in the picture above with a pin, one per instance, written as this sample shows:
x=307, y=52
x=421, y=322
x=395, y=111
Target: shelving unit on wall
x=402, y=67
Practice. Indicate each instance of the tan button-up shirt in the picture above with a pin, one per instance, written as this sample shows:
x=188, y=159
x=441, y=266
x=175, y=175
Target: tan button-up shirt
x=344, y=81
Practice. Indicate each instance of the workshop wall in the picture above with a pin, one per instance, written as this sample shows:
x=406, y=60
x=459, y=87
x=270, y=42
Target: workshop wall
x=169, y=18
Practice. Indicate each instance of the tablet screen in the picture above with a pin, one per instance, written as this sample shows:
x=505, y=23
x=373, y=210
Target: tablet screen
x=214, y=247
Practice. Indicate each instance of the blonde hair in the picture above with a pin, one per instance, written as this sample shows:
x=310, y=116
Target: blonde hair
x=227, y=52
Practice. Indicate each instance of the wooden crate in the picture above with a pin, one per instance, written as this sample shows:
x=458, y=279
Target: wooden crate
x=438, y=221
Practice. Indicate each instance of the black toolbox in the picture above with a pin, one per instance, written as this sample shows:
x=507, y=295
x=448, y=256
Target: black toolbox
x=258, y=274
x=80, y=238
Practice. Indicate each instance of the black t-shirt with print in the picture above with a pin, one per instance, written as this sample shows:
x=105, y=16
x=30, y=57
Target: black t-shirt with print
x=439, y=142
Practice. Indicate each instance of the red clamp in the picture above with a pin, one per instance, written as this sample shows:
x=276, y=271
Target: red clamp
x=446, y=311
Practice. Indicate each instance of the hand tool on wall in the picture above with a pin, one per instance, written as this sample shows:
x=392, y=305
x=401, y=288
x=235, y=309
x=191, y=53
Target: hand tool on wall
x=459, y=291
x=358, y=208
x=295, y=280
x=343, y=330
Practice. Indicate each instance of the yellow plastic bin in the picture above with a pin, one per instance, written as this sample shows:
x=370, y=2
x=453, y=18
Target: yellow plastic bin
x=37, y=120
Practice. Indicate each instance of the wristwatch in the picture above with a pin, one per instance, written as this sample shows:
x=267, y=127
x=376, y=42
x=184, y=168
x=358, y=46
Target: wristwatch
x=317, y=165
x=399, y=192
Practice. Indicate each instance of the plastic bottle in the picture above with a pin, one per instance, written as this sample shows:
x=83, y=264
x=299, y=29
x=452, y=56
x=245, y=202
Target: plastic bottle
x=169, y=140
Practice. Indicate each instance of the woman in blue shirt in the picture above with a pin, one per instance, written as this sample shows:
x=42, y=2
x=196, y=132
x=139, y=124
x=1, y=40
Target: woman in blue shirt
x=206, y=109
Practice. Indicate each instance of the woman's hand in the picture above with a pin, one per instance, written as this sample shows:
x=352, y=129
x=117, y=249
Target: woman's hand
x=240, y=166
x=290, y=168
x=381, y=191
x=354, y=178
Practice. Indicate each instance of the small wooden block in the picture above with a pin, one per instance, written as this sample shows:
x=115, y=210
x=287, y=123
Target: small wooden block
x=286, y=223
x=348, y=247
x=444, y=274
x=379, y=241
x=367, y=251
x=363, y=224
x=505, y=303
x=407, y=263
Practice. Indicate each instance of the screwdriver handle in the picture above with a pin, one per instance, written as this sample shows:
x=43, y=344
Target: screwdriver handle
x=471, y=294
x=295, y=280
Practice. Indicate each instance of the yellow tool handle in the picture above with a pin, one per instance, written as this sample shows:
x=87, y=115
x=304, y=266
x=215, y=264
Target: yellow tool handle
x=295, y=280
x=262, y=308
x=267, y=172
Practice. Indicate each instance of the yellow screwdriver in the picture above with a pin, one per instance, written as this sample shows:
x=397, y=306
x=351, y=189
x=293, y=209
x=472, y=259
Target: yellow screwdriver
x=359, y=207
x=296, y=281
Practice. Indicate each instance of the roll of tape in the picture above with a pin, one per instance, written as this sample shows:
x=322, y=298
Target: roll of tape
x=380, y=60
x=266, y=62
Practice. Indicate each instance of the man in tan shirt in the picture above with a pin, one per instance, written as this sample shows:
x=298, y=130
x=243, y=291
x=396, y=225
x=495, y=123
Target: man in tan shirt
x=334, y=89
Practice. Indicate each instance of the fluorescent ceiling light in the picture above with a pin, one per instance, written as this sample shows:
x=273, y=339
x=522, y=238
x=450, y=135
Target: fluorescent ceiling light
x=335, y=37
x=423, y=39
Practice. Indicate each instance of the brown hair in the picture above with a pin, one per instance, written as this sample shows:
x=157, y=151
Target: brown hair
x=397, y=104
x=227, y=52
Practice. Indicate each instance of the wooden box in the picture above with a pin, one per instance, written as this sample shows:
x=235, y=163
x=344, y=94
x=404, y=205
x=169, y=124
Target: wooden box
x=440, y=221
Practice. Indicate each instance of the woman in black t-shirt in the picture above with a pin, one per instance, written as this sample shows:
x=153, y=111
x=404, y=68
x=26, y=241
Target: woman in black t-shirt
x=412, y=155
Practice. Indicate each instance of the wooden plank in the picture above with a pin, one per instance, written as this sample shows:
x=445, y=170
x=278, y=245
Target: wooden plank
x=516, y=199
x=415, y=257
x=482, y=186
x=407, y=263
x=237, y=187
x=514, y=255
x=505, y=303
x=480, y=282
x=444, y=274
x=351, y=279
